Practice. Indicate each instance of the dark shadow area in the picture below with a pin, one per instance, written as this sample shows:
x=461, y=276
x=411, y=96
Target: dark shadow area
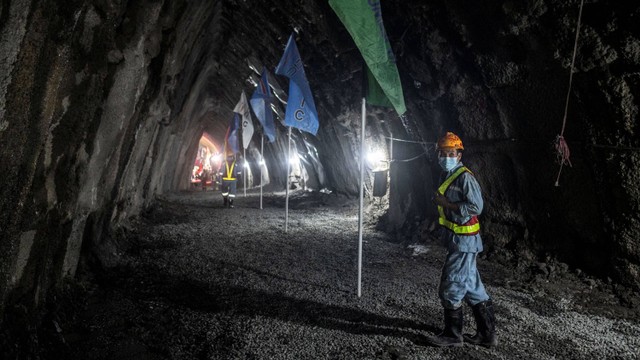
x=224, y=298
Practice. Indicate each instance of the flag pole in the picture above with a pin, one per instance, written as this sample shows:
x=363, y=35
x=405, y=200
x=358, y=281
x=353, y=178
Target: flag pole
x=244, y=171
x=360, y=215
x=390, y=158
x=390, y=149
x=286, y=217
x=263, y=163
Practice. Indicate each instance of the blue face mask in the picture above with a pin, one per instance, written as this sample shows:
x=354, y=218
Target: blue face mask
x=447, y=163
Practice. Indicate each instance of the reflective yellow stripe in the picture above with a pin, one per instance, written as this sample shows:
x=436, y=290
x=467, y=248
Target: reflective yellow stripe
x=450, y=179
x=459, y=229
x=229, y=171
x=442, y=220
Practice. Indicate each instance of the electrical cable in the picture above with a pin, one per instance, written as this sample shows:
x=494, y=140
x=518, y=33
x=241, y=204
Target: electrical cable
x=409, y=141
x=410, y=159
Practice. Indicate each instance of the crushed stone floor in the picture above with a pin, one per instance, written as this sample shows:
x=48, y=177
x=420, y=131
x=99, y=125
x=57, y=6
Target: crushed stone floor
x=200, y=281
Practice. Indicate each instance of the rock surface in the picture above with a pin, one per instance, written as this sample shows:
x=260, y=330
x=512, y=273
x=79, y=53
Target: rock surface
x=102, y=104
x=198, y=283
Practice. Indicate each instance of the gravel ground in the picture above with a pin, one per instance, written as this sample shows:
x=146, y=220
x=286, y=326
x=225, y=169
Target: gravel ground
x=203, y=282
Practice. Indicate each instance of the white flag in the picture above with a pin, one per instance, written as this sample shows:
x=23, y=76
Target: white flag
x=242, y=108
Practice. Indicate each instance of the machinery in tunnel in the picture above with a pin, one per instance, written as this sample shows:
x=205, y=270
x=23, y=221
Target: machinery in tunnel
x=206, y=164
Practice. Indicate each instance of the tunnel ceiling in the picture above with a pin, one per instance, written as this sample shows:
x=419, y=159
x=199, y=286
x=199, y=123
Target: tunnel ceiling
x=102, y=104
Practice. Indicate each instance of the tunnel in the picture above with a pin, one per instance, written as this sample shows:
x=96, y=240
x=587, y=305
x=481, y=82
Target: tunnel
x=116, y=118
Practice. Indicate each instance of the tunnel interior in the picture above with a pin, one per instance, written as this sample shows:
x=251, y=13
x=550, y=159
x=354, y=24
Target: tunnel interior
x=106, y=105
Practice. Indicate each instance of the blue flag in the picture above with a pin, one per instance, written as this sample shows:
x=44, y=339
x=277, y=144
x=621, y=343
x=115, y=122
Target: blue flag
x=231, y=139
x=261, y=105
x=301, y=110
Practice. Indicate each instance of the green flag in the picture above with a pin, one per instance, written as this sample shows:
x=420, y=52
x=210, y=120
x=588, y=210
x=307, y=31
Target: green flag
x=372, y=90
x=363, y=20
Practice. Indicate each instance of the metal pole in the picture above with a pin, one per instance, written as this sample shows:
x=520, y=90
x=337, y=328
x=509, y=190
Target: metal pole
x=286, y=216
x=244, y=171
x=390, y=160
x=390, y=150
x=360, y=215
x=263, y=163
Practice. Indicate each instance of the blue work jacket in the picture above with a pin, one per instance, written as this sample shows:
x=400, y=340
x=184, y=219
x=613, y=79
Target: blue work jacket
x=464, y=191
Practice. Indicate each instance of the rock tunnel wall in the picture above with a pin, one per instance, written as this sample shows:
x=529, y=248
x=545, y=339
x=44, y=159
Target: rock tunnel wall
x=102, y=104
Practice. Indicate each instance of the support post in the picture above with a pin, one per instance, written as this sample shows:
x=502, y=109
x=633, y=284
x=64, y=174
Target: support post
x=361, y=212
x=263, y=163
x=286, y=215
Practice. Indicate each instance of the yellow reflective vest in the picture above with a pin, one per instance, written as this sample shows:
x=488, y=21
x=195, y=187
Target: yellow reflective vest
x=229, y=171
x=472, y=226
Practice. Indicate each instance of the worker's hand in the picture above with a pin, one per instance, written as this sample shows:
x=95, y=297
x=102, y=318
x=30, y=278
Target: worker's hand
x=440, y=200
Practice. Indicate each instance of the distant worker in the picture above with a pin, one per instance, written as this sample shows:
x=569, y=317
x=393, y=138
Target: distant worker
x=459, y=201
x=229, y=172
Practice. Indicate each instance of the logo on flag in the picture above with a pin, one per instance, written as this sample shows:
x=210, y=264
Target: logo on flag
x=301, y=110
x=242, y=108
x=261, y=105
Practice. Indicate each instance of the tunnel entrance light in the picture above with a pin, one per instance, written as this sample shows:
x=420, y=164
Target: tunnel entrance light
x=205, y=163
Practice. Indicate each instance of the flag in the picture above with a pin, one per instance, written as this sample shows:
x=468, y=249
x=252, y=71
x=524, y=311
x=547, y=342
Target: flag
x=363, y=20
x=301, y=110
x=372, y=90
x=261, y=105
x=231, y=138
x=242, y=108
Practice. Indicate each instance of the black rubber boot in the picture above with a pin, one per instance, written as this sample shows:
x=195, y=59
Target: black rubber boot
x=452, y=333
x=226, y=201
x=485, y=325
x=230, y=203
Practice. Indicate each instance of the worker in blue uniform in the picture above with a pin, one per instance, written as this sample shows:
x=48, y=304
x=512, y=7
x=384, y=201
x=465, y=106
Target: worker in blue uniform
x=229, y=171
x=459, y=201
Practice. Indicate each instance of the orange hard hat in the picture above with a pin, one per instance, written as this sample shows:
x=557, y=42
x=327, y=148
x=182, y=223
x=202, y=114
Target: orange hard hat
x=450, y=141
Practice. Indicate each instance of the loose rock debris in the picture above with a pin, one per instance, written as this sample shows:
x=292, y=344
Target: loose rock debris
x=199, y=281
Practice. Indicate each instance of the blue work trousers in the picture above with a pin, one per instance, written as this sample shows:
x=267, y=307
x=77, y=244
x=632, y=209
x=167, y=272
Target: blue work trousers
x=461, y=281
x=229, y=188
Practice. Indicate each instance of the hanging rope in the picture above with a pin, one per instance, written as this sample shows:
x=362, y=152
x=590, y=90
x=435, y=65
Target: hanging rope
x=562, y=149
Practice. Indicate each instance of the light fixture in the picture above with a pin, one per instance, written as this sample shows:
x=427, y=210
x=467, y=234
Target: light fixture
x=294, y=160
x=375, y=157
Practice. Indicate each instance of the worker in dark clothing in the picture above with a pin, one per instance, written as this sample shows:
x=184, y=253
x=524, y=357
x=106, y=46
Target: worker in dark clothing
x=459, y=201
x=229, y=172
